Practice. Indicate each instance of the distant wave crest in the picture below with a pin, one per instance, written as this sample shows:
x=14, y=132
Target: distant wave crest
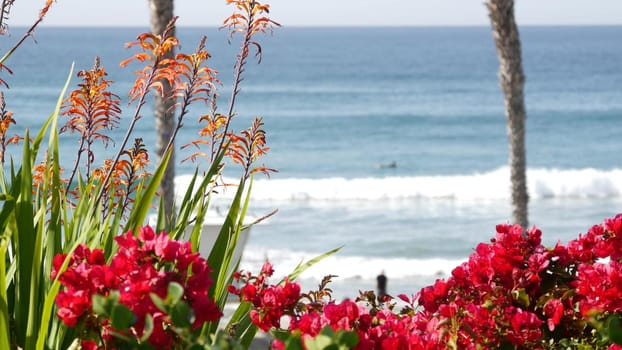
x=350, y=267
x=542, y=183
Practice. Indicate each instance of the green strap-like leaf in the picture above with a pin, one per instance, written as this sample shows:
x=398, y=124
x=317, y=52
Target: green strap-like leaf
x=121, y=317
x=144, y=200
x=52, y=232
x=218, y=255
x=614, y=329
x=300, y=268
x=161, y=224
x=4, y=301
x=194, y=200
x=50, y=297
x=244, y=329
x=24, y=240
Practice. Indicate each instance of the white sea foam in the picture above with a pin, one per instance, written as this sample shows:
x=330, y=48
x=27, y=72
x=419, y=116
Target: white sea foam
x=353, y=273
x=495, y=184
x=349, y=267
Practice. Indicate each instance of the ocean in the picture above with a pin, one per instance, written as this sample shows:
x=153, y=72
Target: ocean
x=389, y=142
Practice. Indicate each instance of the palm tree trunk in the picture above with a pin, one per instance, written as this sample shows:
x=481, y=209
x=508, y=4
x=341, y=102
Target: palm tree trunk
x=512, y=79
x=161, y=13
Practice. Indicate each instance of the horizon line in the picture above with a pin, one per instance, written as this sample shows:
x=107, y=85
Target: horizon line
x=316, y=26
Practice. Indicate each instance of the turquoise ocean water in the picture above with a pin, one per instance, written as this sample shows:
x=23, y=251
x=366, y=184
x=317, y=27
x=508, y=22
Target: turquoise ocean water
x=339, y=103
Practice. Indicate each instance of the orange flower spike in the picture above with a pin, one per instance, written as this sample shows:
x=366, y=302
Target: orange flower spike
x=152, y=50
x=46, y=8
x=182, y=67
x=250, y=16
x=139, y=156
x=211, y=133
x=167, y=45
x=5, y=122
x=6, y=119
x=98, y=174
x=249, y=146
x=122, y=171
x=141, y=57
x=259, y=9
x=38, y=176
x=8, y=70
x=127, y=171
x=236, y=18
x=237, y=149
x=13, y=140
x=248, y=23
x=213, y=124
x=194, y=82
x=91, y=107
x=138, y=159
x=146, y=41
x=240, y=4
x=152, y=46
x=168, y=71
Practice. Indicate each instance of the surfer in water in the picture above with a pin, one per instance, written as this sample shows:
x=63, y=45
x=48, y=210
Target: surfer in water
x=392, y=165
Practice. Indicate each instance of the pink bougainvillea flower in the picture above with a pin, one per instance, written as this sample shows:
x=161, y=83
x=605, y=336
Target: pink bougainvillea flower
x=511, y=292
x=143, y=265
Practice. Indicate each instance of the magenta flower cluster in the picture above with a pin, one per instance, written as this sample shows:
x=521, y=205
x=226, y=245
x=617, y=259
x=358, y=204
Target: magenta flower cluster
x=512, y=292
x=144, y=265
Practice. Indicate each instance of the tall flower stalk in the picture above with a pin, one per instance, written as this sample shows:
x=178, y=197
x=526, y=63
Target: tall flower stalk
x=249, y=20
x=91, y=109
x=153, y=49
x=42, y=228
x=198, y=84
x=6, y=119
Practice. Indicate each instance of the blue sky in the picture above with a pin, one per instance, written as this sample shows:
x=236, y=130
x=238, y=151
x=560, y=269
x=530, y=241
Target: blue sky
x=325, y=12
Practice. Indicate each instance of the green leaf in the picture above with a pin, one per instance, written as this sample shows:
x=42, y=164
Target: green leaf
x=8, y=208
x=161, y=223
x=222, y=253
x=142, y=205
x=24, y=239
x=48, y=231
x=48, y=305
x=244, y=328
x=4, y=307
x=227, y=242
x=349, y=339
x=158, y=302
x=187, y=207
x=101, y=305
x=37, y=278
x=196, y=201
x=294, y=343
x=304, y=266
x=196, y=347
x=121, y=317
x=614, y=328
x=175, y=292
x=48, y=228
x=506, y=345
x=181, y=315
x=148, y=328
x=328, y=339
x=239, y=313
x=521, y=297
x=320, y=342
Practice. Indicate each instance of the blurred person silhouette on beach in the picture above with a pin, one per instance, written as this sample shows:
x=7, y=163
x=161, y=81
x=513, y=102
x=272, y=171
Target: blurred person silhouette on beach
x=381, y=284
